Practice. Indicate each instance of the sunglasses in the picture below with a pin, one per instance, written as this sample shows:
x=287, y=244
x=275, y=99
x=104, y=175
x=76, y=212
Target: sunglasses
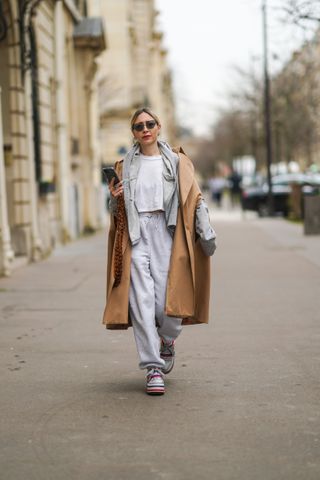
x=139, y=127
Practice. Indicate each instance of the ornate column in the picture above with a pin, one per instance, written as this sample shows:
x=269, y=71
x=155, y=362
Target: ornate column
x=27, y=9
x=6, y=252
x=62, y=119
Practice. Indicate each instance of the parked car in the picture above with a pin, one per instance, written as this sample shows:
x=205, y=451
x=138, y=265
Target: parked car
x=255, y=197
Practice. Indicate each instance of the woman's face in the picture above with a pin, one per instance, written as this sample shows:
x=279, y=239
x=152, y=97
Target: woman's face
x=147, y=136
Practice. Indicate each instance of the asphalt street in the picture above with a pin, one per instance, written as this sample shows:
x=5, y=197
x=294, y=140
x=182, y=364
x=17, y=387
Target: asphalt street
x=242, y=403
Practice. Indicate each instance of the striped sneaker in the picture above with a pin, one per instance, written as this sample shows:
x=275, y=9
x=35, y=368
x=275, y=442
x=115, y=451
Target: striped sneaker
x=167, y=353
x=155, y=383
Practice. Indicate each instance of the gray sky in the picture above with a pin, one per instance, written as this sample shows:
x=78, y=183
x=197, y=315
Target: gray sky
x=206, y=38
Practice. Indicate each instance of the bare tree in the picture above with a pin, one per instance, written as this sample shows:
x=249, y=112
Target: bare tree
x=239, y=128
x=302, y=12
x=231, y=138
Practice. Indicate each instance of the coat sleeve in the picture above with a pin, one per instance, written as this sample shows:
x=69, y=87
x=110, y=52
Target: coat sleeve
x=204, y=230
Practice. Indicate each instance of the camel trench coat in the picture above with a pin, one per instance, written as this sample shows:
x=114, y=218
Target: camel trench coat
x=188, y=285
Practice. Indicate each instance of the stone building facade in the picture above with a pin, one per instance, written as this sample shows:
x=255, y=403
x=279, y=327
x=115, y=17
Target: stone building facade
x=68, y=88
x=49, y=155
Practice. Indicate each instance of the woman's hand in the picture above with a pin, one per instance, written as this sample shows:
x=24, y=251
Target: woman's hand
x=115, y=190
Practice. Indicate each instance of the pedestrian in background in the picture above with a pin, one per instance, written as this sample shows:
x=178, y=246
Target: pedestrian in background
x=216, y=186
x=234, y=181
x=160, y=240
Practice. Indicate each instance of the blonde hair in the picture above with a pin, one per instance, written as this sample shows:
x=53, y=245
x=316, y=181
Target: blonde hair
x=143, y=110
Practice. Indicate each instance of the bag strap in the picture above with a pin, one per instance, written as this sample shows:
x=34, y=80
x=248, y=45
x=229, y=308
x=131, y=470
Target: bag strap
x=120, y=226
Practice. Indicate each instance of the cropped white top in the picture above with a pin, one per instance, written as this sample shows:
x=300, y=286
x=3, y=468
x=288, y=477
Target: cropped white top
x=149, y=186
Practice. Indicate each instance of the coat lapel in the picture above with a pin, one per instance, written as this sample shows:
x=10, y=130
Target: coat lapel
x=186, y=175
x=186, y=178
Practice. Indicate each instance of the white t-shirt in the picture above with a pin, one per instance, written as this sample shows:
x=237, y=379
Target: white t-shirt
x=149, y=186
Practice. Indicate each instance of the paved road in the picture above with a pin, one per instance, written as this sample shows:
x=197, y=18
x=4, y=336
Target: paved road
x=242, y=402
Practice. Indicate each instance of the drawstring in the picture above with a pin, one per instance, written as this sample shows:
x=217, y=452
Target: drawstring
x=157, y=220
x=154, y=217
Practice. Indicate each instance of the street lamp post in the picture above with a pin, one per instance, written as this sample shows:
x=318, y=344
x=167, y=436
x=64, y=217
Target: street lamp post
x=267, y=108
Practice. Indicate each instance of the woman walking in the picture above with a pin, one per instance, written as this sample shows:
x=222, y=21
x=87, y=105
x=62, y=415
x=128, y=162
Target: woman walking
x=160, y=240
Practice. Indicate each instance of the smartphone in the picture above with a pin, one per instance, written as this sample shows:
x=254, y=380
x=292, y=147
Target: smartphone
x=110, y=173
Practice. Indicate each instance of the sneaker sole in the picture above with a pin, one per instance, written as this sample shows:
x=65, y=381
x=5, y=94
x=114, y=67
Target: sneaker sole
x=169, y=369
x=155, y=391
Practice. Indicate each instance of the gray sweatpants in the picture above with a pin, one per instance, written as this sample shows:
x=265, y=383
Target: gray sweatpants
x=149, y=271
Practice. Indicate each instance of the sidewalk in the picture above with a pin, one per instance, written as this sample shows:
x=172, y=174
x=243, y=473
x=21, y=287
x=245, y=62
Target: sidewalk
x=290, y=236
x=287, y=235
x=242, y=402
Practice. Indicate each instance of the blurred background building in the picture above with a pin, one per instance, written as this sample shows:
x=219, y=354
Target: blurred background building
x=133, y=72
x=71, y=74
